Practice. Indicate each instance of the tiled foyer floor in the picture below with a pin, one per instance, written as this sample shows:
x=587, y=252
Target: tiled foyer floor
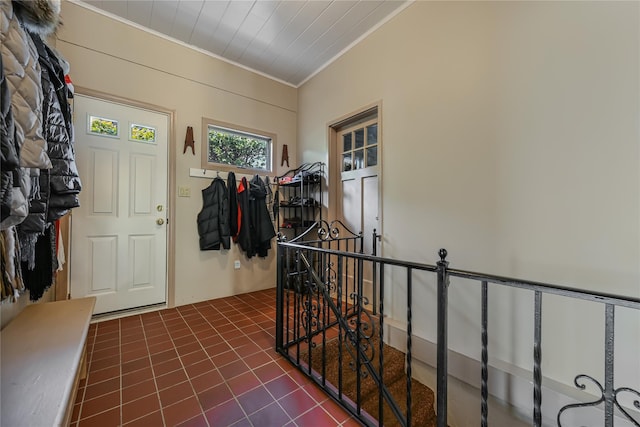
x=206, y=364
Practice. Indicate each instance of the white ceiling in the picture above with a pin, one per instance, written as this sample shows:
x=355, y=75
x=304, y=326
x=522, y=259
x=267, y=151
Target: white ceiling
x=287, y=40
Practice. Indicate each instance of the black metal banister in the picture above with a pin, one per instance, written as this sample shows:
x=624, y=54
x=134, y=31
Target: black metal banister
x=339, y=302
x=356, y=255
x=566, y=291
x=359, y=352
x=623, y=301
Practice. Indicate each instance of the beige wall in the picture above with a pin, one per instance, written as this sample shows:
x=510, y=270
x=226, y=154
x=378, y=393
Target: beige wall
x=118, y=59
x=10, y=309
x=510, y=137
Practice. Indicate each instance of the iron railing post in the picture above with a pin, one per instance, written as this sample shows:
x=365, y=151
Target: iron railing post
x=537, y=360
x=484, y=371
x=374, y=279
x=441, y=368
x=409, y=341
x=609, y=393
x=279, y=297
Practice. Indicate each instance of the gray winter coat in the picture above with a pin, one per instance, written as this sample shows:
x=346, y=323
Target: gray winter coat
x=23, y=74
x=22, y=71
x=10, y=163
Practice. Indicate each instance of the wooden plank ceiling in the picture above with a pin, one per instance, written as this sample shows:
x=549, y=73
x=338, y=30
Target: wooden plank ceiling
x=287, y=40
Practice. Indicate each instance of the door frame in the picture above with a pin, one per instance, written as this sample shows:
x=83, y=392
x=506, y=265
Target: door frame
x=334, y=172
x=171, y=165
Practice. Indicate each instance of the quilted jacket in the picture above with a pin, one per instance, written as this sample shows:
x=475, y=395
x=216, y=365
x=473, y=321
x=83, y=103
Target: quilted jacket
x=22, y=71
x=64, y=181
x=9, y=166
x=23, y=75
x=213, y=219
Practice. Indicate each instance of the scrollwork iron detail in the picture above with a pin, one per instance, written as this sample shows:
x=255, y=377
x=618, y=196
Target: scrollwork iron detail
x=364, y=346
x=579, y=383
x=358, y=338
x=331, y=231
x=331, y=278
x=311, y=316
x=636, y=403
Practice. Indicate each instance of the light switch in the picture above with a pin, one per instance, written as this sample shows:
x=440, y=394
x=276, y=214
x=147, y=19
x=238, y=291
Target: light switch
x=184, y=191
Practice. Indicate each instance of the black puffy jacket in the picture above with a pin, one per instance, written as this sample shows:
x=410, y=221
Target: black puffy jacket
x=64, y=181
x=213, y=219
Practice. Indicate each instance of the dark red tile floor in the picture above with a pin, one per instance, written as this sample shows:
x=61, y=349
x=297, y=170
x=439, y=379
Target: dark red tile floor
x=206, y=364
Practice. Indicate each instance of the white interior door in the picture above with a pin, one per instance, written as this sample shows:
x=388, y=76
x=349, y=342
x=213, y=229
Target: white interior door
x=359, y=190
x=119, y=232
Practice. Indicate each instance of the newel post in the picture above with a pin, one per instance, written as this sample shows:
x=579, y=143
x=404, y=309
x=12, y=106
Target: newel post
x=443, y=285
x=280, y=291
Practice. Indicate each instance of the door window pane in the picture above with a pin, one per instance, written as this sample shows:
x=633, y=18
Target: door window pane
x=346, y=139
x=346, y=162
x=142, y=133
x=359, y=136
x=103, y=126
x=358, y=159
x=372, y=134
x=372, y=156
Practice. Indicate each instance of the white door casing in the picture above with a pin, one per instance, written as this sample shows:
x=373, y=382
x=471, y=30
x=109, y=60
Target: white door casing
x=119, y=232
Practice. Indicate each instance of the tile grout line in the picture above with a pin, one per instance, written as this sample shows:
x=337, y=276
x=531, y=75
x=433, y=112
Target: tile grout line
x=141, y=397
x=231, y=311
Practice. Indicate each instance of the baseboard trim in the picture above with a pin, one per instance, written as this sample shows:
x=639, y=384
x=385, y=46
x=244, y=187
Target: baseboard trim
x=101, y=317
x=508, y=384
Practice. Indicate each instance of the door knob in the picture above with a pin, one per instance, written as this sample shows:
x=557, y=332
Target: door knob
x=159, y=221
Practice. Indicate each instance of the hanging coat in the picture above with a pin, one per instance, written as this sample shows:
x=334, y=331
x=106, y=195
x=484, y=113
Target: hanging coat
x=9, y=166
x=244, y=225
x=261, y=226
x=234, y=212
x=64, y=181
x=213, y=219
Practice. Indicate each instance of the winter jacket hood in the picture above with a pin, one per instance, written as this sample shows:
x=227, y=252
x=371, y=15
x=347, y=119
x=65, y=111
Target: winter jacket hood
x=41, y=17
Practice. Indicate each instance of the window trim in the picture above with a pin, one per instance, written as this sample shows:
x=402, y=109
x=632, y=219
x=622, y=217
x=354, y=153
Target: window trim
x=221, y=167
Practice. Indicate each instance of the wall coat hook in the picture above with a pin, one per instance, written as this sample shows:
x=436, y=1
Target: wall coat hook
x=285, y=155
x=188, y=141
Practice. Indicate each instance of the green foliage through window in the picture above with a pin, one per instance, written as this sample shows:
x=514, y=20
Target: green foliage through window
x=142, y=133
x=103, y=126
x=238, y=149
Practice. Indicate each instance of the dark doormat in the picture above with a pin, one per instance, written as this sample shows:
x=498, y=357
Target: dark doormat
x=395, y=378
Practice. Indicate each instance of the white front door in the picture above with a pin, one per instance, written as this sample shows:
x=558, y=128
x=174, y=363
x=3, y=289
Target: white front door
x=119, y=232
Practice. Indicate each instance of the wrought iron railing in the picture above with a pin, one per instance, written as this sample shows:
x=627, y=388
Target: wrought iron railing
x=325, y=285
x=609, y=394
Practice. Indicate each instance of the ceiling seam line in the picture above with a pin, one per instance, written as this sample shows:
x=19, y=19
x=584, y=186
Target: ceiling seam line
x=181, y=77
